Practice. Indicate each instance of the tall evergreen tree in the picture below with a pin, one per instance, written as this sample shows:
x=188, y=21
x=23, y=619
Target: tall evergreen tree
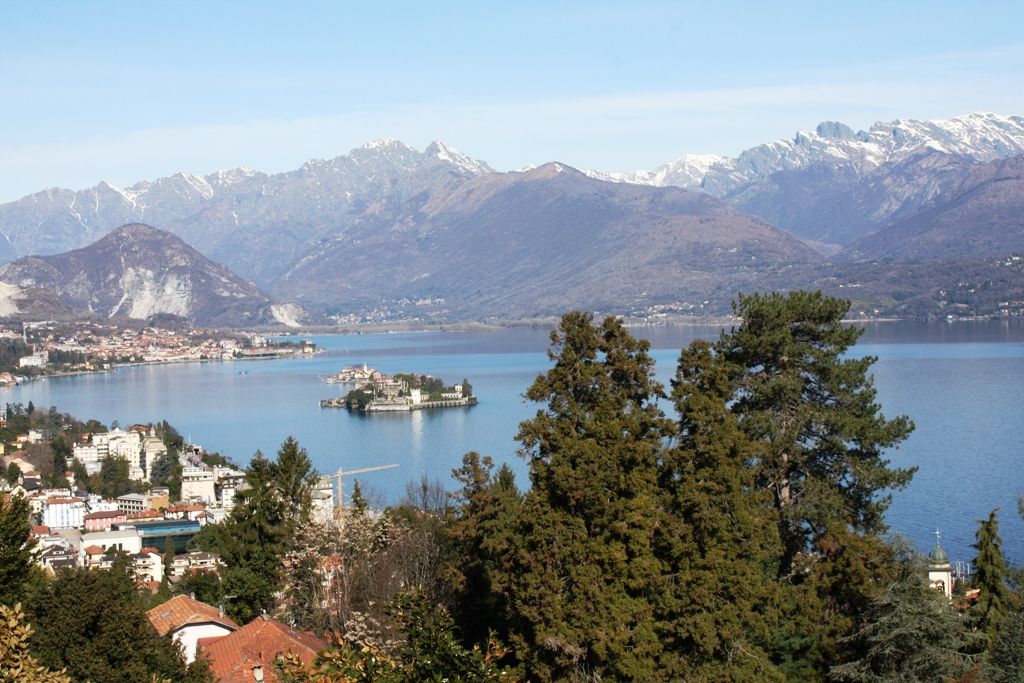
x=582, y=566
x=718, y=542
x=910, y=634
x=483, y=518
x=16, y=561
x=812, y=414
x=251, y=542
x=819, y=440
x=991, y=572
x=294, y=479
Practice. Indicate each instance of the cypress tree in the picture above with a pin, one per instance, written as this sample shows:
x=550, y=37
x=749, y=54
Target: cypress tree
x=718, y=542
x=482, y=525
x=16, y=545
x=582, y=567
x=991, y=572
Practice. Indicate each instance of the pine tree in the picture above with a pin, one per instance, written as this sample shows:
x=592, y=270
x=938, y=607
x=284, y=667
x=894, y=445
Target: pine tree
x=582, y=567
x=819, y=440
x=719, y=544
x=16, y=560
x=812, y=413
x=991, y=572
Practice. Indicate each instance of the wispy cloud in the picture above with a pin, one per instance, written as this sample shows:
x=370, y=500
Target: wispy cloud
x=617, y=131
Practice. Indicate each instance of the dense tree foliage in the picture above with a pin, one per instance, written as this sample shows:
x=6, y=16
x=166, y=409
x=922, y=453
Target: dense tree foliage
x=581, y=567
x=1005, y=662
x=429, y=652
x=719, y=544
x=92, y=623
x=812, y=415
x=482, y=524
x=909, y=633
x=16, y=560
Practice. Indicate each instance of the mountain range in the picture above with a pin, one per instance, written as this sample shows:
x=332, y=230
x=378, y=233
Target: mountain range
x=438, y=234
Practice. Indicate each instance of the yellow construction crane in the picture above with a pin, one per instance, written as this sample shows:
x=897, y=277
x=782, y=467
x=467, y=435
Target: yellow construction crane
x=339, y=475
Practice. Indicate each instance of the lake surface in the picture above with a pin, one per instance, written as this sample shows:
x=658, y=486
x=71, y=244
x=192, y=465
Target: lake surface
x=960, y=382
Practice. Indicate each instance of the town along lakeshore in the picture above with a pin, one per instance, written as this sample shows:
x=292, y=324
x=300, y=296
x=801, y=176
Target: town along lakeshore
x=959, y=381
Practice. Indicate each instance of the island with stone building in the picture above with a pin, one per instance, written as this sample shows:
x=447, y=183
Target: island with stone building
x=404, y=392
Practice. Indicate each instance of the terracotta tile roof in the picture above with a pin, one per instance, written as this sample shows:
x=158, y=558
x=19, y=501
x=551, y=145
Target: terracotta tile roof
x=39, y=530
x=94, y=550
x=182, y=610
x=145, y=514
x=193, y=507
x=258, y=643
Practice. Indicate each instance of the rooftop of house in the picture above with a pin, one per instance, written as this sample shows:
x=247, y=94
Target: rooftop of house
x=105, y=514
x=233, y=657
x=183, y=610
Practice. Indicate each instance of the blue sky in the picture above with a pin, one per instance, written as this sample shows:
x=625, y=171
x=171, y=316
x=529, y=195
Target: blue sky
x=128, y=91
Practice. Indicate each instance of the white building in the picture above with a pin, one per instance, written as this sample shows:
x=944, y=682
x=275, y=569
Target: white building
x=323, y=500
x=36, y=360
x=148, y=565
x=126, y=540
x=198, y=484
x=152, y=448
x=133, y=502
x=64, y=513
x=115, y=443
x=940, y=572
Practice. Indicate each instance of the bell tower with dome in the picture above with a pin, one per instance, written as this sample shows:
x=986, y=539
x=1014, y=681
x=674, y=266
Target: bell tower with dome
x=940, y=573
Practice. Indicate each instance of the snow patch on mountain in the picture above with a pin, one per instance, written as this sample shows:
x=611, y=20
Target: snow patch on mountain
x=982, y=136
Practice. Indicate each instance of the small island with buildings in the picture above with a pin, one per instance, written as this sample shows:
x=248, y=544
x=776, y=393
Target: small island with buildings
x=403, y=392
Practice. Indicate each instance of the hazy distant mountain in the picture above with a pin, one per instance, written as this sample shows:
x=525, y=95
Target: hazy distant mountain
x=540, y=242
x=257, y=224
x=980, y=215
x=137, y=272
x=390, y=228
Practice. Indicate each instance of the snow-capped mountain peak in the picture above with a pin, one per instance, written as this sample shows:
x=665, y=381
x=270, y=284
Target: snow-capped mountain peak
x=982, y=136
x=445, y=152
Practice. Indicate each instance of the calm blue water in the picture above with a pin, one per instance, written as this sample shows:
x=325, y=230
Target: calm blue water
x=959, y=382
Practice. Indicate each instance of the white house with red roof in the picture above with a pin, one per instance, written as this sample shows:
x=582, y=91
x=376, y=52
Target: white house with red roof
x=187, y=620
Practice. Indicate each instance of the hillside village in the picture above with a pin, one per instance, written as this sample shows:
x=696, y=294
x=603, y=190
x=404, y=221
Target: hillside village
x=147, y=522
